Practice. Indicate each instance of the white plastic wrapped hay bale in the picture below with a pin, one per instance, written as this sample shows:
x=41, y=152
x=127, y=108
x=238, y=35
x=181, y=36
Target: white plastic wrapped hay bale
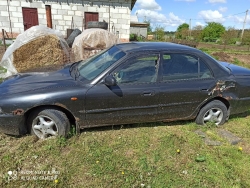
x=90, y=42
x=35, y=49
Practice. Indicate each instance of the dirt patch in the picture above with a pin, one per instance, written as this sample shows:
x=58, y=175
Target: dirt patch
x=243, y=58
x=222, y=47
x=222, y=56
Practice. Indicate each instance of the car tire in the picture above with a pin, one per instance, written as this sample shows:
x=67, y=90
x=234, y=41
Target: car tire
x=95, y=24
x=215, y=111
x=72, y=36
x=48, y=123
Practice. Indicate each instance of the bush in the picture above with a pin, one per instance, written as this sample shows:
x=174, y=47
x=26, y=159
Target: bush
x=135, y=37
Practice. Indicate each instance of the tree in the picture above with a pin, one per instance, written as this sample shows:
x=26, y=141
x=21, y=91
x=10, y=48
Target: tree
x=182, y=26
x=182, y=31
x=229, y=36
x=246, y=38
x=196, y=32
x=212, y=31
x=159, y=32
x=198, y=28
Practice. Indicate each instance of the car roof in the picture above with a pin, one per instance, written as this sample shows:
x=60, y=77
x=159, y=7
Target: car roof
x=140, y=46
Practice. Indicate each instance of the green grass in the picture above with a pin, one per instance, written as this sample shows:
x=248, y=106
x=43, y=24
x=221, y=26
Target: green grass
x=2, y=70
x=227, y=51
x=141, y=155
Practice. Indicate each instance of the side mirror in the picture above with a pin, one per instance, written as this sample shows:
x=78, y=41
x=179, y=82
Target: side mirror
x=110, y=81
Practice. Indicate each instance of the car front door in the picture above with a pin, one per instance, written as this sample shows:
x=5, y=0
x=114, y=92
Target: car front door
x=185, y=84
x=133, y=99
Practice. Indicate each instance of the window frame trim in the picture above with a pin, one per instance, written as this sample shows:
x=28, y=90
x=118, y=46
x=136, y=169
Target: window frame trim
x=184, y=53
x=125, y=61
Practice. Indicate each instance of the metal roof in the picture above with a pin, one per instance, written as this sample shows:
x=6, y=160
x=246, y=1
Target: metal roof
x=138, y=24
x=132, y=4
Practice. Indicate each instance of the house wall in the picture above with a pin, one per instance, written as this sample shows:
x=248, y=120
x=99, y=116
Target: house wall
x=64, y=10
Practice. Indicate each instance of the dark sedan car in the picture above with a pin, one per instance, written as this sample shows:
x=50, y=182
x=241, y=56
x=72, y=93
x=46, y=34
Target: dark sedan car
x=127, y=83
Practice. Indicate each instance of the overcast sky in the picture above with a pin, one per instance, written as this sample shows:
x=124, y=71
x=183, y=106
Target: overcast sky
x=171, y=13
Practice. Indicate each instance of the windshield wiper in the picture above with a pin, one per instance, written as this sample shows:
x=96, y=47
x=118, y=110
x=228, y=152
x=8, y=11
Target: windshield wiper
x=76, y=72
x=74, y=69
x=71, y=67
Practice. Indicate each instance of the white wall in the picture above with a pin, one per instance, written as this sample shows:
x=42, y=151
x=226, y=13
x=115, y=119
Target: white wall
x=139, y=31
x=63, y=12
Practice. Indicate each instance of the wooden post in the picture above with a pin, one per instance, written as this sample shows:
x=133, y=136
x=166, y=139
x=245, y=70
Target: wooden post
x=242, y=33
x=3, y=40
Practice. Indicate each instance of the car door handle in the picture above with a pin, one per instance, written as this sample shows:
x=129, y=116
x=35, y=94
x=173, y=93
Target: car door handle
x=204, y=90
x=148, y=93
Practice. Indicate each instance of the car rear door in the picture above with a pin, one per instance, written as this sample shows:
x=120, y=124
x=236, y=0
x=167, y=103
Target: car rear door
x=133, y=99
x=185, y=83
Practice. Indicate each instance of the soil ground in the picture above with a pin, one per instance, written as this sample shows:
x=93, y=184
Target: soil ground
x=228, y=55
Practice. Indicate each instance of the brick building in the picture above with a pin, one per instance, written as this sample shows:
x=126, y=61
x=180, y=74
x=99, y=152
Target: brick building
x=18, y=15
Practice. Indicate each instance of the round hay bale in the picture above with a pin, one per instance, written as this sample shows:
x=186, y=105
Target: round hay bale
x=43, y=53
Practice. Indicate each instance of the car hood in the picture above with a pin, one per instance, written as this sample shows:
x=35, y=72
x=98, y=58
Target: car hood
x=236, y=70
x=28, y=82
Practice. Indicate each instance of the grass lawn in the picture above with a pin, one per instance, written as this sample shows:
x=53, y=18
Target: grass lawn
x=2, y=70
x=141, y=155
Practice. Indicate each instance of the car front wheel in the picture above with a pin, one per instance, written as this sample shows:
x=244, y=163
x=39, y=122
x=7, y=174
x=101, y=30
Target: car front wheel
x=49, y=123
x=214, y=111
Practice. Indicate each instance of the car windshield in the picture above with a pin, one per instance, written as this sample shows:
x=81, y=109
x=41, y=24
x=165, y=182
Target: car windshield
x=94, y=66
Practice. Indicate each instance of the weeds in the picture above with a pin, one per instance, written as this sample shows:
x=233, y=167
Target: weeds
x=149, y=155
x=61, y=141
x=2, y=70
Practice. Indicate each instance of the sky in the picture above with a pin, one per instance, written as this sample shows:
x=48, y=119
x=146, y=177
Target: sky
x=172, y=13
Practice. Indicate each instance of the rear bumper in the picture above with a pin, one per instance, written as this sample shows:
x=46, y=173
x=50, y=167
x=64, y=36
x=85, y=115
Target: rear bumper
x=12, y=124
x=240, y=105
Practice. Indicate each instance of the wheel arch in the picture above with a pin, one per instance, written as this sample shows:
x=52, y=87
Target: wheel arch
x=70, y=116
x=202, y=110
x=223, y=100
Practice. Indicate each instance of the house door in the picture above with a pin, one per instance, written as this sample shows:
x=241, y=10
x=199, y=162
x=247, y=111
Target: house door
x=30, y=17
x=90, y=16
x=48, y=16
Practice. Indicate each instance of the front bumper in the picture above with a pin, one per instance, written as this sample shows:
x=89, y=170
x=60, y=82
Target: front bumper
x=12, y=124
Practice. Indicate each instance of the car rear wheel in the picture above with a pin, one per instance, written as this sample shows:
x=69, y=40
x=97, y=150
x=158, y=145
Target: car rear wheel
x=49, y=123
x=214, y=111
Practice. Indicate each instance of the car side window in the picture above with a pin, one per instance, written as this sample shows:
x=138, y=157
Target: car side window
x=183, y=66
x=141, y=69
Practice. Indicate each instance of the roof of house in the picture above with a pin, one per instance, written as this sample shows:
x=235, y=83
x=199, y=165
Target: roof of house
x=134, y=22
x=132, y=4
x=138, y=24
